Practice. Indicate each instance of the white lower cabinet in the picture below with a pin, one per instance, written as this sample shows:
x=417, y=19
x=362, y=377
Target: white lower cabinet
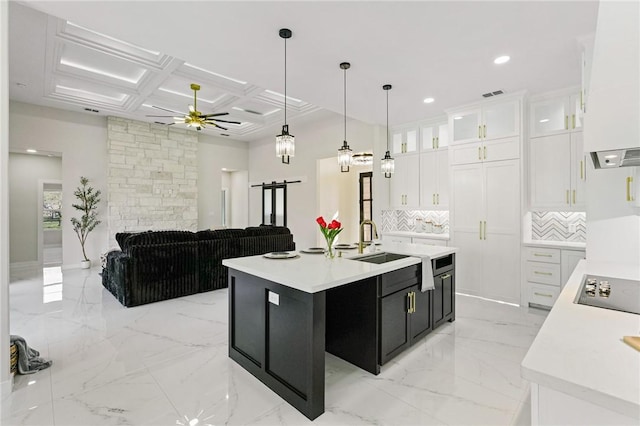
x=485, y=220
x=546, y=272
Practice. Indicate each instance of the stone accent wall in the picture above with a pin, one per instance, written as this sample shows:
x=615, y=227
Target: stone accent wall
x=153, y=177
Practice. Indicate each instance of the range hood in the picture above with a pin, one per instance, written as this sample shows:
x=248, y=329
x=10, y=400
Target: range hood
x=629, y=157
x=612, y=116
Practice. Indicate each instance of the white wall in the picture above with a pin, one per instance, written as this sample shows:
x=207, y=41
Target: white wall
x=5, y=377
x=81, y=138
x=239, y=191
x=26, y=173
x=214, y=154
x=313, y=141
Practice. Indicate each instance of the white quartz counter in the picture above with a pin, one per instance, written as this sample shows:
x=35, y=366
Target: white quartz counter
x=579, y=350
x=312, y=273
x=431, y=236
x=555, y=244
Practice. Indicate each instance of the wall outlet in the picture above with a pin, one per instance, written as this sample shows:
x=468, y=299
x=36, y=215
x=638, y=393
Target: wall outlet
x=572, y=228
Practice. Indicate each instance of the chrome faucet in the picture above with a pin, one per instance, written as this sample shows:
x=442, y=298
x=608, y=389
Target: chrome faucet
x=361, y=239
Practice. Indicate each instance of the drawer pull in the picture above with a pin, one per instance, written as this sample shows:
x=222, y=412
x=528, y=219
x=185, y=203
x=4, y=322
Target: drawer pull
x=445, y=276
x=542, y=294
x=542, y=273
x=542, y=255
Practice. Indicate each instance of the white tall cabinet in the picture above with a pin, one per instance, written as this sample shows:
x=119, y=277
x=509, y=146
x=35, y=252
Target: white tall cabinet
x=485, y=200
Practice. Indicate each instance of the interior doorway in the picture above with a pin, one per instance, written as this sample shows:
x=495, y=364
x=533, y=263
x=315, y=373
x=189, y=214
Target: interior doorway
x=366, y=203
x=50, y=223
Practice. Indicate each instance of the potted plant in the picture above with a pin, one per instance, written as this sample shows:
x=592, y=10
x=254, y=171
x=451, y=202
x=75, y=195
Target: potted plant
x=88, y=200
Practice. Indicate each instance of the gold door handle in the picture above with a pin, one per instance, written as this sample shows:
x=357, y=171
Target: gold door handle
x=479, y=153
x=485, y=152
x=566, y=122
x=629, y=181
x=541, y=255
x=484, y=128
x=574, y=196
x=573, y=121
x=542, y=294
x=567, y=196
x=581, y=169
x=542, y=273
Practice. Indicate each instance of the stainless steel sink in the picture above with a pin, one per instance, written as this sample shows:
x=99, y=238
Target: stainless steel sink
x=380, y=257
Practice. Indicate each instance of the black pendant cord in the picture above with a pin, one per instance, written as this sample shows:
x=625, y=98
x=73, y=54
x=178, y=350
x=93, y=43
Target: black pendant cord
x=285, y=81
x=387, y=120
x=345, y=104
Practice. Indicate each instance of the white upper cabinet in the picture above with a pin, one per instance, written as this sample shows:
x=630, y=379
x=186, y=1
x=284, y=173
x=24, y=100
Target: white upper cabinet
x=486, y=121
x=404, y=140
x=434, y=136
x=405, y=182
x=556, y=115
x=434, y=180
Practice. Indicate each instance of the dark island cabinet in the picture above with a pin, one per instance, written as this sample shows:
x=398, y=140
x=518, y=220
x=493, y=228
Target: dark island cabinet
x=445, y=291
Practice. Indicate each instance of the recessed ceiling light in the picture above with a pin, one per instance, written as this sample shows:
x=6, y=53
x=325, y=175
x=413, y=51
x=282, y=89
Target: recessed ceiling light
x=428, y=100
x=224, y=169
x=31, y=151
x=501, y=60
x=611, y=156
x=457, y=117
x=544, y=120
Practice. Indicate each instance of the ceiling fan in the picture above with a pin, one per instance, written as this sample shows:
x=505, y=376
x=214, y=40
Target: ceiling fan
x=195, y=118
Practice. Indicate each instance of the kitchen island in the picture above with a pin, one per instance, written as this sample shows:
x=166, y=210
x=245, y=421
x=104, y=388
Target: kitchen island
x=284, y=314
x=581, y=372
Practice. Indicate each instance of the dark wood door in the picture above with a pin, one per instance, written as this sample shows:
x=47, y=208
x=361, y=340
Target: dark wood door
x=394, y=324
x=421, y=317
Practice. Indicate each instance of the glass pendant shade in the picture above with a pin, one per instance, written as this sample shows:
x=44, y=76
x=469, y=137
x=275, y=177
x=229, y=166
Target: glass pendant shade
x=387, y=166
x=285, y=145
x=362, y=159
x=345, y=157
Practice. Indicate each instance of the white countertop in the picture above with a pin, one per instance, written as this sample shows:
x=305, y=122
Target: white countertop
x=579, y=349
x=418, y=235
x=555, y=244
x=312, y=273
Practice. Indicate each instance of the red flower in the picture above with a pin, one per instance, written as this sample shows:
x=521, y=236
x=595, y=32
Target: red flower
x=334, y=224
x=321, y=221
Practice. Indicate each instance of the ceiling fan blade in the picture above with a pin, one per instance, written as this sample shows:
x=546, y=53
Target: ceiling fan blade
x=214, y=115
x=219, y=127
x=224, y=121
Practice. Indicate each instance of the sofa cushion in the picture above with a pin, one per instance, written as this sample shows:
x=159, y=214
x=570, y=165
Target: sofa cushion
x=158, y=237
x=220, y=234
x=257, y=231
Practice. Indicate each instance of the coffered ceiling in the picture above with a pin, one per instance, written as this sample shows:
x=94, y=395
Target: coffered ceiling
x=138, y=58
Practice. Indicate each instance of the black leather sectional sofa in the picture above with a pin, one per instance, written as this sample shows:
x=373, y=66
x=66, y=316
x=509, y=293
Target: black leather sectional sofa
x=159, y=265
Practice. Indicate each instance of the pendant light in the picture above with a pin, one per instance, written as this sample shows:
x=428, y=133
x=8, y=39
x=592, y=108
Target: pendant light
x=345, y=155
x=285, y=143
x=386, y=165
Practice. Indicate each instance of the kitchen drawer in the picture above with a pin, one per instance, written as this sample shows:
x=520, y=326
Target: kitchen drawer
x=396, y=239
x=544, y=273
x=399, y=279
x=428, y=241
x=542, y=295
x=547, y=255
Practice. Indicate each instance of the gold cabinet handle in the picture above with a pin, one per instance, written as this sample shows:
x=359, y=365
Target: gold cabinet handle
x=542, y=255
x=629, y=182
x=566, y=122
x=479, y=132
x=479, y=153
x=485, y=230
x=480, y=230
x=409, y=311
x=542, y=273
x=437, y=141
x=433, y=143
x=484, y=127
x=567, y=196
x=573, y=121
x=574, y=196
x=433, y=199
x=581, y=169
x=438, y=199
x=413, y=296
x=445, y=276
x=485, y=152
x=542, y=294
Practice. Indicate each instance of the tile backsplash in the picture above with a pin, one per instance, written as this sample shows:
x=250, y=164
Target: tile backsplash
x=554, y=226
x=404, y=220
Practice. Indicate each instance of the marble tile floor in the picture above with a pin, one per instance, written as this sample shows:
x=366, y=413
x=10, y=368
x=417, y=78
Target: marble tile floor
x=167, y=364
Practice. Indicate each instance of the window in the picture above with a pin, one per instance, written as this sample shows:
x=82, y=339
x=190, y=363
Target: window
x=51, y=209
x=366, y=203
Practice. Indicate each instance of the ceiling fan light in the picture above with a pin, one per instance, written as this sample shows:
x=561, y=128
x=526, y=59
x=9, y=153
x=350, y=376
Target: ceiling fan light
x=362, y=159
x=345, y=157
